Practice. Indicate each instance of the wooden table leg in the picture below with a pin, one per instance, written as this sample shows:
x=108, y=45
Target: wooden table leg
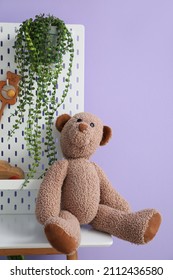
x=73, y=256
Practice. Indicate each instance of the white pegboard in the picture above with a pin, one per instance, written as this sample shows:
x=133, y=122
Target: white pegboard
x=17, y=200
x=14, y=150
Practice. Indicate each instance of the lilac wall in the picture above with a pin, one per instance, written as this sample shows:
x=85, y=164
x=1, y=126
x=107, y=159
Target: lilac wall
x=129, y=84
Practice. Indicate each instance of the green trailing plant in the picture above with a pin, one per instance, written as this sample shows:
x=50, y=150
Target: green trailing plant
x=18, y=257
x=39, y=54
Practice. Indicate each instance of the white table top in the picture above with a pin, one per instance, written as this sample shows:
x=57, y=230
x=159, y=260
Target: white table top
x=23, y=231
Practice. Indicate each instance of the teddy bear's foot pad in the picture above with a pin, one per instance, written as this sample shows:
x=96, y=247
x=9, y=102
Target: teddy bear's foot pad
x=153, y=226
x=60, y=240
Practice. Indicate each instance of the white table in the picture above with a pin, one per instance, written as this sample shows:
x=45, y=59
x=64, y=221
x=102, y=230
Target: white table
x=23, y=231
x=19, y=232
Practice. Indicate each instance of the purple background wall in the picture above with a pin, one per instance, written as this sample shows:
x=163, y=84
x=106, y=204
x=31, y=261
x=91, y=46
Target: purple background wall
x=129, y=84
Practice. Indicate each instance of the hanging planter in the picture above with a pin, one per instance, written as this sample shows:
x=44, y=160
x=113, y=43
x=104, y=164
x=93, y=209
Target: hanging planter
x=40, y=47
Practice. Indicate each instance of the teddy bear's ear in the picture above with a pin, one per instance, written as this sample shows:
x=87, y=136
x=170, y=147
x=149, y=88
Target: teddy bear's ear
x=107, y=133
x=61, y=121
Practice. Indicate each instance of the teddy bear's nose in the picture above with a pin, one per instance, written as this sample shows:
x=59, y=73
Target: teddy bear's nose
x=82, y=127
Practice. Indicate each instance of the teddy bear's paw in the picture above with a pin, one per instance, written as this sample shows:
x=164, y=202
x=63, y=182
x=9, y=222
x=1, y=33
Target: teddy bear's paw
x=152, y=228
x=60, y=240
x=144, y=225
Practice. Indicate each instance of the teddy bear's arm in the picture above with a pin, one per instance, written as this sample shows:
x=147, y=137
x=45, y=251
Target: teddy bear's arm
x=108, y=195
x=49, y=196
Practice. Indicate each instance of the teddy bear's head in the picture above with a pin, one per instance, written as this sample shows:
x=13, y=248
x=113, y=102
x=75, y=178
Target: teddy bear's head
x=81, y=134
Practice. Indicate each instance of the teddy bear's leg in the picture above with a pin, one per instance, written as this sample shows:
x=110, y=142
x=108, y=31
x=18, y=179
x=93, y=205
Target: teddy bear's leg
x=138, y=227
x=63, y=232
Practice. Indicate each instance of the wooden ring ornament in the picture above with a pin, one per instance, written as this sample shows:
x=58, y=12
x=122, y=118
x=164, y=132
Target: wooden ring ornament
x=9, y=91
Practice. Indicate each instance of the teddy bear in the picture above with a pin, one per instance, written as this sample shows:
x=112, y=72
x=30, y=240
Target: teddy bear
x=76, y=191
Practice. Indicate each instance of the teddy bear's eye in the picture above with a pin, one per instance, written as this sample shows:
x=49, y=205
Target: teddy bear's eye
x=92, y=124
x=79, y=120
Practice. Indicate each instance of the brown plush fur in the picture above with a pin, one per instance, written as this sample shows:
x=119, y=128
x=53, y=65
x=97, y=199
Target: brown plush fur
x=76, y=191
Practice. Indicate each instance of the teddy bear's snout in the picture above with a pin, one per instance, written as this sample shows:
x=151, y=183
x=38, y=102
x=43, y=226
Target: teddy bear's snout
x=83, y=127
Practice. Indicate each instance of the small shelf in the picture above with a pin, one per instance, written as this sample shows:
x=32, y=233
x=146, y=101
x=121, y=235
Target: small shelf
x=18, y=224
x=17, y=184
x=23, y=231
